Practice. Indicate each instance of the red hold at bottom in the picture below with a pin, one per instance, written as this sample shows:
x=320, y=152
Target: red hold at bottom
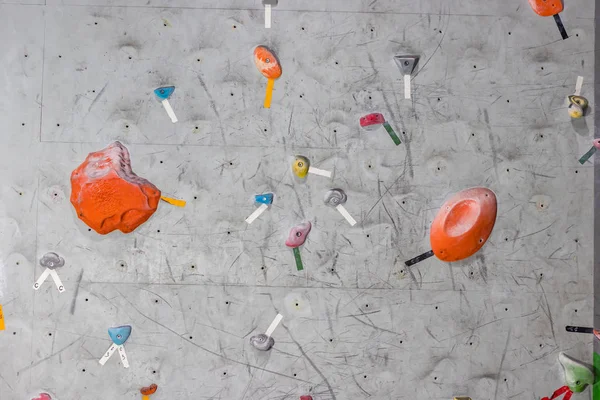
x=306, y=398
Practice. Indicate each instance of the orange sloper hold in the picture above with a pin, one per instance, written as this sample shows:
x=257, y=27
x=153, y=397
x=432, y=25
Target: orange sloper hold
x=108, y=195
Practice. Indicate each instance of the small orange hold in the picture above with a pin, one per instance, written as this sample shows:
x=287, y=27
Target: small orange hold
x=546, y=8
x=463, y=224
x=267, y=63
x=108, y=195
x=148, y=390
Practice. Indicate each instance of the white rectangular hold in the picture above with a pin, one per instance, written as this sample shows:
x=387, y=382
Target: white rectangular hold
x=108, y=353
x=123, y=356
x=273, y=325
x=320, y=172
x=169, y=110
x=57, y=281
x=346, y=214
x=267, y=16
x=407, y=86
x=41, y=279
x=256, y=213
x=578, y=85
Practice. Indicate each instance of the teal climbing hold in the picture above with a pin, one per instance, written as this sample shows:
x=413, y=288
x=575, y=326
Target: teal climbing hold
x=165, y=92
x=119, y=334
x=266, y=198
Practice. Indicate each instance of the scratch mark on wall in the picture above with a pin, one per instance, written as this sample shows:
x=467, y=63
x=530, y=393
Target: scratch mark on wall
x=74, y=302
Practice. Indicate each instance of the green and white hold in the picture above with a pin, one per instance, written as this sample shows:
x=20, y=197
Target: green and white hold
x=577, y=375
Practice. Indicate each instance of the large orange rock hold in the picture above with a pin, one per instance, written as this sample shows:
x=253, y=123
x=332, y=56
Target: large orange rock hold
x=108, y=195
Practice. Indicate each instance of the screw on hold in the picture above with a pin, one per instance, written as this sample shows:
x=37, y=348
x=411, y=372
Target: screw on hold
x=406, y=63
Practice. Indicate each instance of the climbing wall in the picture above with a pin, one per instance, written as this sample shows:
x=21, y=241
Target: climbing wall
x=488, y=109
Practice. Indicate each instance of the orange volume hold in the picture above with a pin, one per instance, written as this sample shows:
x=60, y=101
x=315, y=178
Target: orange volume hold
x=108, y=195
x=463, y=224
x=268, y=65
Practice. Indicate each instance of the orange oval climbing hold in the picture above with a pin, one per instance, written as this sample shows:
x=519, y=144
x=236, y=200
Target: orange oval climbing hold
x=546, y=8
x=267, y=63
x=108, y=195
x=463, y=224
x=148, y=390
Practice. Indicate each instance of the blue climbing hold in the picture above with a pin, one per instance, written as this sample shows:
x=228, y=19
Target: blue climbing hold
x=265, y=198
x=120, y=334
x=165, y=92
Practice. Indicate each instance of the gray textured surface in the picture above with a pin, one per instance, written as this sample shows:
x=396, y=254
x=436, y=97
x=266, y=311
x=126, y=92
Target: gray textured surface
x=488, y=109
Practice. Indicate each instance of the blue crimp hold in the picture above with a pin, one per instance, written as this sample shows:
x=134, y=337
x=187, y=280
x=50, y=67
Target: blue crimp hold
x=265, y=198
x=163, y=93
x=119, y=334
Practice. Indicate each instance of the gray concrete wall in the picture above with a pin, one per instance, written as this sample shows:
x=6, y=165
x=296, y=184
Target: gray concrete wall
x=488, y=109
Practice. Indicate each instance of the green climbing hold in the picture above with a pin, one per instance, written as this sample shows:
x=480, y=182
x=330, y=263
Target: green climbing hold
x=577, y=375
x=596, y=387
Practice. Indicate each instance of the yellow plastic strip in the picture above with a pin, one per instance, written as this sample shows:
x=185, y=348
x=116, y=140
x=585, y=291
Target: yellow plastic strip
x=269, y=94
x=145, y=397
x=175, y=202
x=1, y=319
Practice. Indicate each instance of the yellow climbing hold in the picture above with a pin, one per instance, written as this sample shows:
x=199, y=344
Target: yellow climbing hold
x=577, y=106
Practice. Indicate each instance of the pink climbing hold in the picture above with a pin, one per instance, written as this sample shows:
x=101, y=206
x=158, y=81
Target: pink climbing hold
x=596, y=143
x=298, y=235
x=306, y=398
x=43, y=396
x=372, y=121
